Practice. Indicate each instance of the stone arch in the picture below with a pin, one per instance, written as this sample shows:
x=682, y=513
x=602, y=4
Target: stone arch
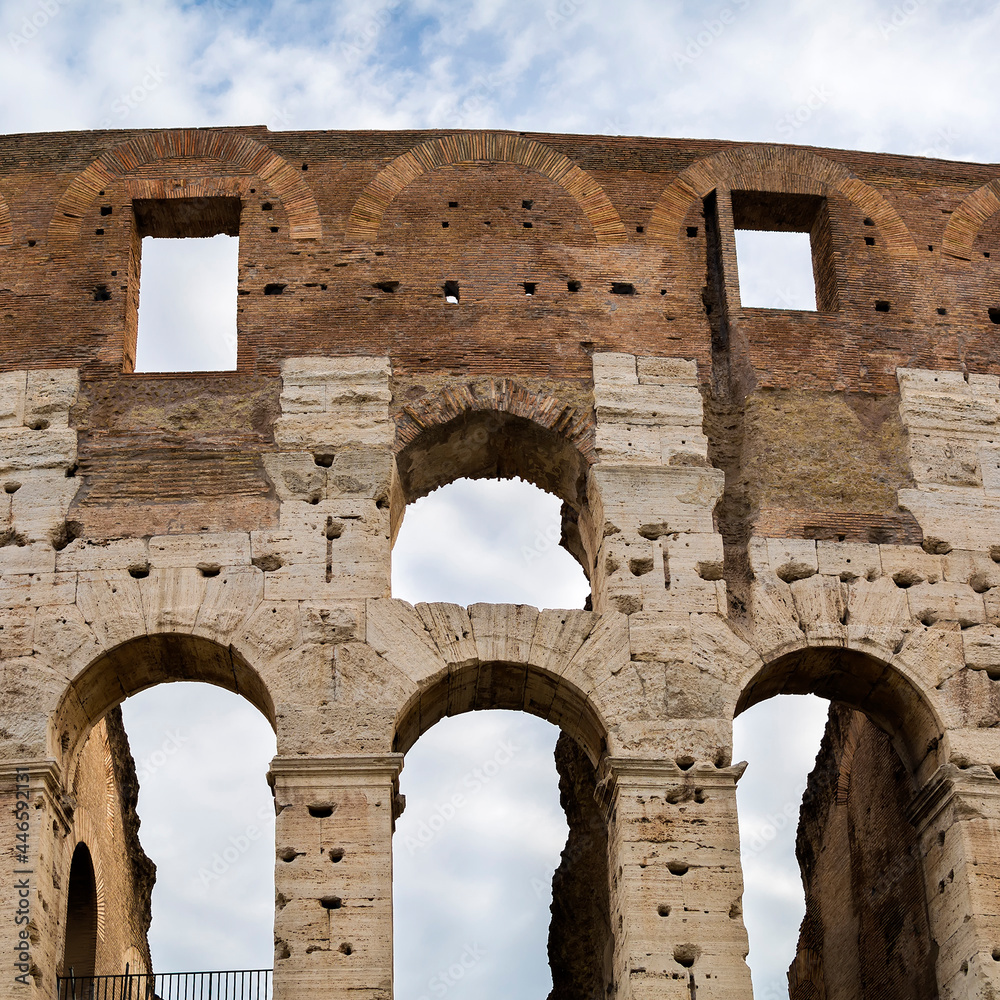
x=777, y=168
x=6, y=226
x=234, y=148
x=867, y=681
x=466, y=147
x=969, y=218
x=141, y=663
x=495, y=428
x=453, y=660
x=520, y=687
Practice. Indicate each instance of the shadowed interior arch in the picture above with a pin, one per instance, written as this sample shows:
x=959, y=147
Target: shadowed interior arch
x=859, y=681
x=80, y=954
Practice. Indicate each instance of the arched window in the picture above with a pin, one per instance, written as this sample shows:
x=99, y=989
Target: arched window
x=80, y=953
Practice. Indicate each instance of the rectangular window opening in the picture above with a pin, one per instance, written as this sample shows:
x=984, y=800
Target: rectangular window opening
x=183, y=310
x=783, y=251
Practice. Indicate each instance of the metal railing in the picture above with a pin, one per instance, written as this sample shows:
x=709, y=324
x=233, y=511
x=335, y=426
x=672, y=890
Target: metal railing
x=243, y=984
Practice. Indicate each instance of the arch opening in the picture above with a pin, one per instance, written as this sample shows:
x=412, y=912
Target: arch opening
x=501, y=828
x=80, y=950
x=496, y=541
x=832, y=861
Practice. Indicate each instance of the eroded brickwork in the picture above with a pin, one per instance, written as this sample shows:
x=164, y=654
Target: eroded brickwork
x=764, y=501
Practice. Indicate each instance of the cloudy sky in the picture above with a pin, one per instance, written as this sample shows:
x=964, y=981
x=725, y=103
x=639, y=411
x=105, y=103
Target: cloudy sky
x=917, y=77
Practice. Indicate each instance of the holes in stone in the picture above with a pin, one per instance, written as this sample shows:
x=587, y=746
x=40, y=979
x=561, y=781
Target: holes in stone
x=288, y=854
x=274, y=289
x=527, y=203
x=273, y=229
x=930, y=247
x=444, y=225
x=882, y=305
x=530, y=287
x=106, y=209
x=640, y=566
x=323, y=461
x=528, y=225
x=139, y=572
x=869, y=222
x=209, y=569
x=386, y=286
x=11, y=487
x=320, y=812
x=678, y=868
x=686, y=954
x=331, y=902
x=622, y=288
x=98, y=232
x=684, y=762
x=709, y=570
x=692, y=231
x=574, y=286
x=337, y=855
x=31, y=243
x=281, y=950
x=986, y=253
x=994, y=315
x=735, y=910
x=267, y=564
x=906, y=578
x=453, y=204
x=996, y=954
x=699, y=795
x=941, y=311
x=102, y=294
x=869, y=241
x=334, y=529
x=640, y=229
x=305, y=166
x=346, y=948
x=663, y=910
x=38, y=424
x=266, y=207
x=666, y=565
x=452, y=292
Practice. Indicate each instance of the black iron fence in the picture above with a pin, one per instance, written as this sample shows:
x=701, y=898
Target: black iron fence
x=243, y=984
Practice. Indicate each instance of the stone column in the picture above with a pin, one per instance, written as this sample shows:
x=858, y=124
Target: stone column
x=957, y=814
x=333, y=876
x=676, y=882
x=31, y=928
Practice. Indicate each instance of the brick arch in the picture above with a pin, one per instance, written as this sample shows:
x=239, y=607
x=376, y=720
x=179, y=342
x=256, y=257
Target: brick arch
x=494, y=428
x=775, y=168
x=228, y=147
x=85, y=831
x=6, y=227
x=871, y=681
x=969, y=218
x=467, y=147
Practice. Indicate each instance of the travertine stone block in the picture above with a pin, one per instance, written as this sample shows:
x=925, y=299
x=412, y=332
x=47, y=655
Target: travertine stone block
x=209, y=550
x=910, y=564
x=12, y=388
x=788, y=558
x=849, y=561
x=946, y=602
x=49, y=394
x=611, y=367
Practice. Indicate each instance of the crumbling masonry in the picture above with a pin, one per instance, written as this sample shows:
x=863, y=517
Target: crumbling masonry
x=764, y=501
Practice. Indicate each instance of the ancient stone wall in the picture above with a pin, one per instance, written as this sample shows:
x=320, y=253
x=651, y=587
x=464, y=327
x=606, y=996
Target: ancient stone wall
x=764, y=501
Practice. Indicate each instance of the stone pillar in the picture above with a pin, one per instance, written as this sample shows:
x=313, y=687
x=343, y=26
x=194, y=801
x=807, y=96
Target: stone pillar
x=31, y=928
x=957, y=814
x=333, y=876
x=676, y=882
